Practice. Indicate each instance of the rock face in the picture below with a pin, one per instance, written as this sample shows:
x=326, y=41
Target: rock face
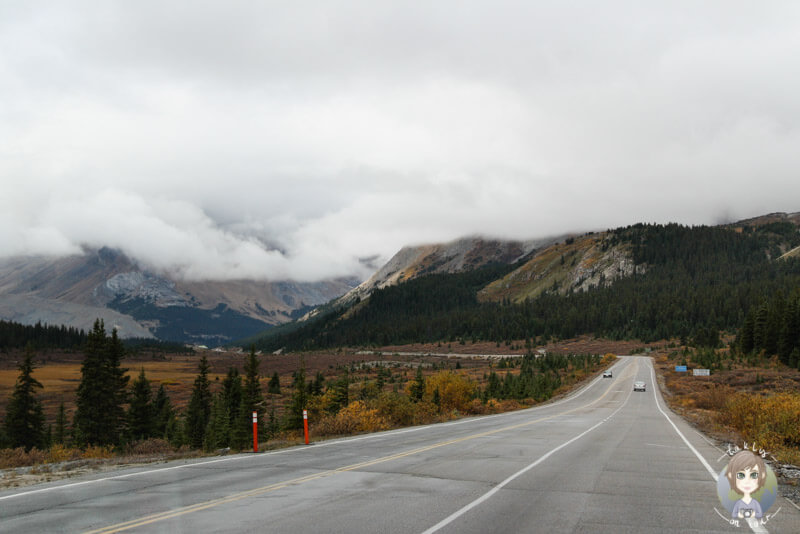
x=138, y=284
x=574, y=265
x=104, y=283
x=457, y=256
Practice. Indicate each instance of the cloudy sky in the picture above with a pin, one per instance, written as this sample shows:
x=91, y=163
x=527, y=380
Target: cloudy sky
x=294, y=139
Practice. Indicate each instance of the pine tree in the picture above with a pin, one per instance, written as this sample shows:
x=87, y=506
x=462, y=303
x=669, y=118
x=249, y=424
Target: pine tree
x=417, y=389
x=100, y=416
x=299, y=399
x=24, y=422
x=274, y=386
x=163, y=415
x=341, y=393
x=761, y=327
x=252, y=397
x=141, y=411
x=217, y=435
x=198, y=412
x=790, y=330
x=60, y=434
x=746, y=338
x=232, y=400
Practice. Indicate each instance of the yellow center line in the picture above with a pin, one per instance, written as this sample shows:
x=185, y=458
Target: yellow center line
x=169, y=514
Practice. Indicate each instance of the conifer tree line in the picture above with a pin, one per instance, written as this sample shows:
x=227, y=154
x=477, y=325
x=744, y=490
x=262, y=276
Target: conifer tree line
x=773, y=327
x=18, y=336
x=111, y=412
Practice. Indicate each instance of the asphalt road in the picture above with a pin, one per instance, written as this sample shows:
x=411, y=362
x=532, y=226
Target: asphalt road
x=604, y=459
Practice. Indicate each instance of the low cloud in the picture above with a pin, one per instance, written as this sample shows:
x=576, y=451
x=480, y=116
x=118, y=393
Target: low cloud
x=278, y=141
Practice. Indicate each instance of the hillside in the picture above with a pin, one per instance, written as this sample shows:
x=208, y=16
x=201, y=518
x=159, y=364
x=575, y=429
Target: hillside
x=104, y=283
x=578, y=264
x=642, y=281
x=467, y=254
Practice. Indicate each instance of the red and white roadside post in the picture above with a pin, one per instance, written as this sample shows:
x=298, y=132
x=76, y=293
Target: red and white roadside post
x=255, y=431
x=305, y=425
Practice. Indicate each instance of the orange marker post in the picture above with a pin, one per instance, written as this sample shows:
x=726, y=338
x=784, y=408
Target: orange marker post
x=305, y=424
x=255, y=431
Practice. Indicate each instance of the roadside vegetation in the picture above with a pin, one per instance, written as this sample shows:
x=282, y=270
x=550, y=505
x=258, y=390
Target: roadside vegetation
x=748, y=397
x=115, y=414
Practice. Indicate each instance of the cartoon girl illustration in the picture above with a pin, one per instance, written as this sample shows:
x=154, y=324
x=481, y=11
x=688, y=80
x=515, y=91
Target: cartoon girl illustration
x=746, y=474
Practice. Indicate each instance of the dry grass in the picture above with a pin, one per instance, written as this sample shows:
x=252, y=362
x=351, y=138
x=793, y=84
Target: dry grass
x=758, y=404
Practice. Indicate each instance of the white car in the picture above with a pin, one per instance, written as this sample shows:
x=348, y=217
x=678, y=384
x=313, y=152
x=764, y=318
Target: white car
x=607, y=374
x=638, y=386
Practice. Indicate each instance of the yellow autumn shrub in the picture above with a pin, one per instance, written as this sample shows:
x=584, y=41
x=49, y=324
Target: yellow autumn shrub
x=353, y=418
x=455, y=391
x=773, y=422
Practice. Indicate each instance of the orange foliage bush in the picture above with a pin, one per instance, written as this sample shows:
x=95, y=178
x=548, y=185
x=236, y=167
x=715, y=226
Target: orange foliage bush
x=715, y=397
x=770, y=422
x=455, y=391
x=399, y=410
x=19, y=457
x=96, y=451
x=149, y=447
x=353, y=418
x=62, y=453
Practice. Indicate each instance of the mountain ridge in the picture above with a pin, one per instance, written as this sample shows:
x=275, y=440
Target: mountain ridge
x=646, y=280
x=105, y=283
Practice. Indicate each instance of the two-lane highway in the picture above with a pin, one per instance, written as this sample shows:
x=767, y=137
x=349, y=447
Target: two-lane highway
x=604, y=459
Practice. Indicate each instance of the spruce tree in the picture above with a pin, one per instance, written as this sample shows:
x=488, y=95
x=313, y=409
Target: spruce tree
x=163, y=415
x=252, y=397
x=60, y=434
x=217, y=435
x=274, y=386
x=24, y=422
x=140, y=413
x=198, y=412
x=417, y=388
x=299, y=399
x=232, y=400
x=100, y=416
x=746, y=337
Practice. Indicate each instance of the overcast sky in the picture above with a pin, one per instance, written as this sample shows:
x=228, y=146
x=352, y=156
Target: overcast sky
x=292, y=139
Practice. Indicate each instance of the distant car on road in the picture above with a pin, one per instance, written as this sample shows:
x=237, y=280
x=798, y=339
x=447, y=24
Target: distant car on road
x=607, y=374
x=638, y=386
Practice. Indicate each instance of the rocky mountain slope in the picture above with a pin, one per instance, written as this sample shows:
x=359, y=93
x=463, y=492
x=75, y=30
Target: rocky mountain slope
x=573, y=265
x=445, y=258
x=104, y=283
x=647, y=281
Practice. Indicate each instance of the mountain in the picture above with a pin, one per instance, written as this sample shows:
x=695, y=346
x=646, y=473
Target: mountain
x=466, y=254
x=104, y=283
x=641, y=281
x=577, y=264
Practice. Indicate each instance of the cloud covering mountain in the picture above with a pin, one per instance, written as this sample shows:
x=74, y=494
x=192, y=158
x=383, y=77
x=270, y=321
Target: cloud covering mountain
x=282, y=140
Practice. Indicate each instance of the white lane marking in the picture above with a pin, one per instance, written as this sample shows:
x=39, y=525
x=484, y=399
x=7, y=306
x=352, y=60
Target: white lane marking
x=708, y=441
x=233, y=458
x=686, y=441
x=755, y=526
x=455, y=515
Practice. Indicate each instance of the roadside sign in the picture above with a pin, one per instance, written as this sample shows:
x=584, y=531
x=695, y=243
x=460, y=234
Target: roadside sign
x=680, y=368
x=701, y=372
